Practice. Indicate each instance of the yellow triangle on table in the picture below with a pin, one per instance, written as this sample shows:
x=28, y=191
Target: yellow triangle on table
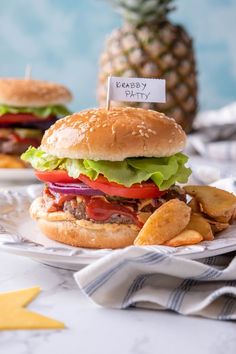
x=13, y=315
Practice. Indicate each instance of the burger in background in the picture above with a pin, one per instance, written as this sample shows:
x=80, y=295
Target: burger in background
x=106, y=172
x=27, y=108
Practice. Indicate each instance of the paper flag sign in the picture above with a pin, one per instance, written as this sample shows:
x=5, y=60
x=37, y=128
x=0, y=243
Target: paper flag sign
x=136, y=89
x=13, y=315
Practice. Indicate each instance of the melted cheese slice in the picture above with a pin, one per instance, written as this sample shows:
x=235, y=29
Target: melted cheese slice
x=13, y=315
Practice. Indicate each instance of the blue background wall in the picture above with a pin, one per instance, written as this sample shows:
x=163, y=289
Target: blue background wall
x=62, y=40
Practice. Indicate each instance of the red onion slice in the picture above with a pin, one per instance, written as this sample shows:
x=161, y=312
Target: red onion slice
x=74, y=188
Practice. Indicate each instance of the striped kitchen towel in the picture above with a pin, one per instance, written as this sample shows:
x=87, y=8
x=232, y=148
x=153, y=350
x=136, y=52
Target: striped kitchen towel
x=215, y=134
x=142, y=277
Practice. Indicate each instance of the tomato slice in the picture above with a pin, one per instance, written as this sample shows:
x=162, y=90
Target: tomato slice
x=27, y=141
x=57, y=176
x=143, y=190
x=20, y=117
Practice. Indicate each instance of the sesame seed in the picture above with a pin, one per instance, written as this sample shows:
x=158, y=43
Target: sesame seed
x=133, y=133
x=146, y=135
x=91, y=129
x=141, y=132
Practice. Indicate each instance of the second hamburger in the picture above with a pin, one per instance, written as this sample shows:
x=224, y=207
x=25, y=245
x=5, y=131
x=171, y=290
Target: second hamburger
x=27, y=108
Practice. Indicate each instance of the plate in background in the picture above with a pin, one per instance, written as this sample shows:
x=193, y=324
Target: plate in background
x=16, y=174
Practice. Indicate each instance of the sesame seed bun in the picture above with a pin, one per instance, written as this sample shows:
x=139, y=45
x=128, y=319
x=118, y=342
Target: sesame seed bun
x=64, y=228
x=114, y=135
x=32, y=93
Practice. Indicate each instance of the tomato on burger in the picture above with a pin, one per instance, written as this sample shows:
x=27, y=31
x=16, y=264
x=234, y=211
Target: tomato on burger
x=142, y=190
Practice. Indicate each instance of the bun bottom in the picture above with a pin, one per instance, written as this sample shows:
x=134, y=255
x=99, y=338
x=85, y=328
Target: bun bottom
x=64, y=228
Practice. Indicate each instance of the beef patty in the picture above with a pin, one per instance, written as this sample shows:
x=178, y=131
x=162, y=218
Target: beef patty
x=78, y=210
x=12, y=147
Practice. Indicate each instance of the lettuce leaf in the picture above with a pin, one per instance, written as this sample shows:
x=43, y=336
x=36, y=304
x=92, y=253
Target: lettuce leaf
x=163, y=171
x=40, y=160
x=41, y=112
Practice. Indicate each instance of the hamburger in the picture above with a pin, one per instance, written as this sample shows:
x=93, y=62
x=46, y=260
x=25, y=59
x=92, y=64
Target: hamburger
x=27, y=109
x=106, y=172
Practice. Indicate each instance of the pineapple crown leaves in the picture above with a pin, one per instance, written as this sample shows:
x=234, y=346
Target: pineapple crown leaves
x=143, y=11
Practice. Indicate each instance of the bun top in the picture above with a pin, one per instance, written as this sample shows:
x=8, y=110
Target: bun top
x=114, y=135
x=32, y=93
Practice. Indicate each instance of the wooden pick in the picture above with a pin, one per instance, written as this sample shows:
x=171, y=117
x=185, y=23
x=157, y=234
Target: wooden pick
x=28, y=72
x=108, y=93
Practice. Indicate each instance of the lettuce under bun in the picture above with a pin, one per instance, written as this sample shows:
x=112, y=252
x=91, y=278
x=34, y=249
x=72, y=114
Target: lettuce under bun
x=40, y=112
x=163, y=171
x=126, y=145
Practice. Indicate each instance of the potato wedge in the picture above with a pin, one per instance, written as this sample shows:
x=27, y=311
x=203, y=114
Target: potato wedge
x=164, y=224
x=201, y=225
x=194, y=205
x=234, y=215
x=217, y=203
x=186, y=237
x=217, y=226
x=143, y=216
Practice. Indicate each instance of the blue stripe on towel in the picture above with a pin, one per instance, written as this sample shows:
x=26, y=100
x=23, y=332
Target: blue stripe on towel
x=227, y=309
x=230, y=303
x=177, y=296
x=138, y=283
x=149, y=258
x=211, y=273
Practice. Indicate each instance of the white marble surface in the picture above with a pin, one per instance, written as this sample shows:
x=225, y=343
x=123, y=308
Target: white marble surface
x=94, y=330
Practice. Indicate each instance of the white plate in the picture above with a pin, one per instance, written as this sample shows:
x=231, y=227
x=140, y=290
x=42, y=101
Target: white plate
x=16, y=174
x=20, y=235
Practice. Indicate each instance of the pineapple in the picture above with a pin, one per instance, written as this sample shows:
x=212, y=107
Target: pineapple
x=149, y=45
